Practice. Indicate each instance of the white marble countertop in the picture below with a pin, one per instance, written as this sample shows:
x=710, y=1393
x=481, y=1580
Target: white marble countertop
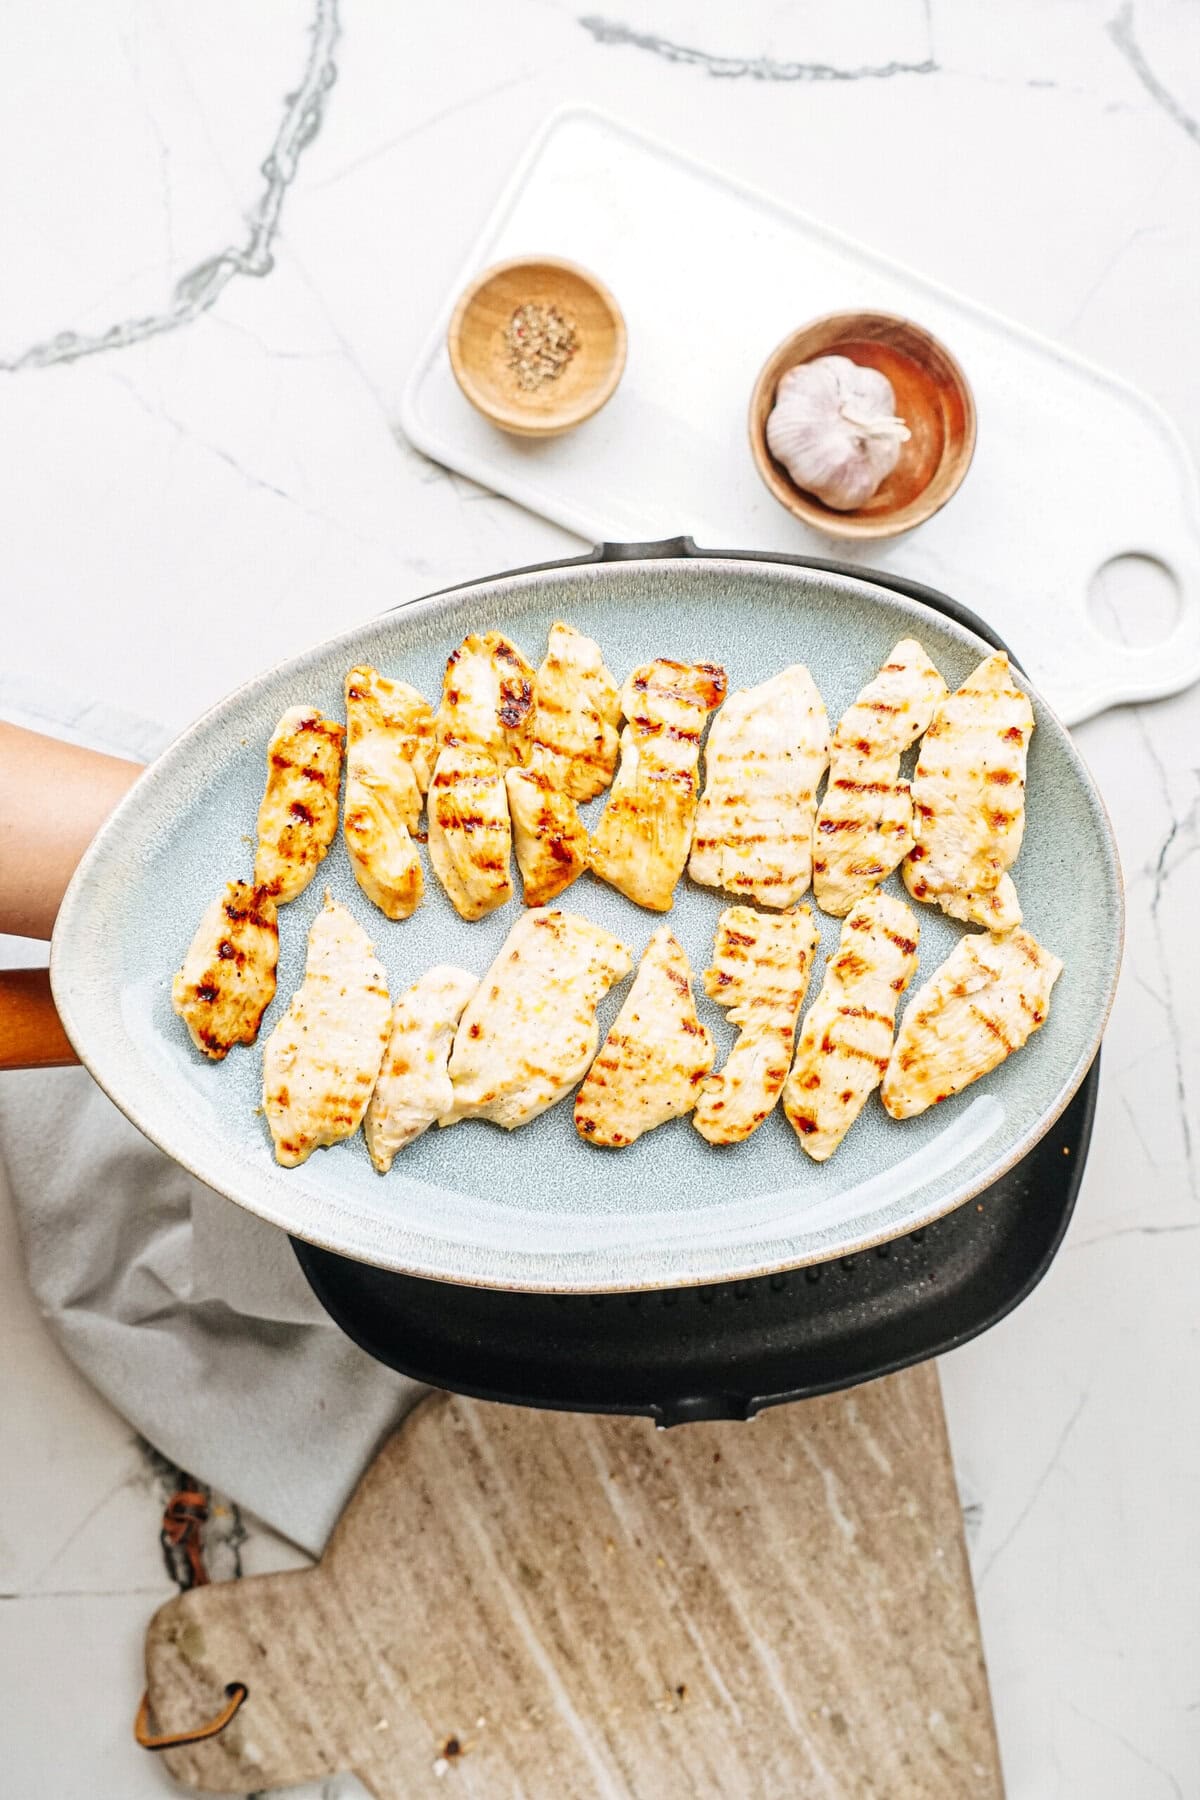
x=218, y=481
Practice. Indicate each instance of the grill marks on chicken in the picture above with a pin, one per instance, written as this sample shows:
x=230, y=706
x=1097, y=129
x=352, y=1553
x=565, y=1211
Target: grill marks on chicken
x=530, y=1030
x=484, y=726
x=761, y=968
x=321, y=1061
x=469, y=836
x=487, y=699
x=578, y=708
x=987, y=999
x=299, y=811
x=550, y=838
x=389, y=759
x=228, y=976
x=766, y=753
x=227, y=980
x=865, y=822
x=655, y=1057
x=571, y=759
x=846, y=1038
x=511, y=756
x=969, y=800
x=414, y=1083
x=641, y=843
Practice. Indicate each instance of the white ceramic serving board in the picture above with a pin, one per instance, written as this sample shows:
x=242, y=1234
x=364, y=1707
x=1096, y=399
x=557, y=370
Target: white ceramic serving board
x=1073, y=466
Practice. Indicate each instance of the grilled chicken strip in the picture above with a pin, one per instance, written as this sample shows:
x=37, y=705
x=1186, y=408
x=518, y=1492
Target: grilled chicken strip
x=846, y=1039
x=321, y=1061
x=864, y=824
x=645, y=831
x=469, y=835
x=299, y=811
x=414, y=1084
x=389, y=759
x=653, y=1062
x=765, y=755
x=484, y=726
x=761, y=966
x=969, y=800
x=227, y=980
x=578, y=708
x=572, y=757
x=550, y=838
x=530, y=1031
x=487, y=699
x=987, y=999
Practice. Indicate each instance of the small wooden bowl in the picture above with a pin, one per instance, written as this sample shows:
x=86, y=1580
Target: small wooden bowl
x=479, y=353
x=932, y=397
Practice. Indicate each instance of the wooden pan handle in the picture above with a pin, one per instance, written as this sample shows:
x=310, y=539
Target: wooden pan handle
x=31, y=1033
x=53, y=799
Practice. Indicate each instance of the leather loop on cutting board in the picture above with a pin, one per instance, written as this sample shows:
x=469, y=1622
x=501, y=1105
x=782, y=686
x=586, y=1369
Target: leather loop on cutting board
x=236, y=1691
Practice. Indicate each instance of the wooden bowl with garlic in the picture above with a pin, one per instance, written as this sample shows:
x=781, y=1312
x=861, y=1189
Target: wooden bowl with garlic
x=862, y=424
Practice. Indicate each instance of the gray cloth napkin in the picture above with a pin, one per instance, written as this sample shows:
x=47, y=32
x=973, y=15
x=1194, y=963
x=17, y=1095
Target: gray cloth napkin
x=187, y=1313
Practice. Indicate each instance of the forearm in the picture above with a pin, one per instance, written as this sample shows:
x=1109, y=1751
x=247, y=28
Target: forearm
x=53, y=799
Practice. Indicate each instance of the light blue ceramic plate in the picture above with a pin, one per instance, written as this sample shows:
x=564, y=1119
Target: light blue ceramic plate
x=539, y=1209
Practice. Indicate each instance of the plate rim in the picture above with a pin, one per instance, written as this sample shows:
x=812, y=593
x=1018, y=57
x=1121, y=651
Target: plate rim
x=67, y=936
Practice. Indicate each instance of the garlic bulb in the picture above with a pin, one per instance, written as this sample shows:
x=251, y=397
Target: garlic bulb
x=834, y=429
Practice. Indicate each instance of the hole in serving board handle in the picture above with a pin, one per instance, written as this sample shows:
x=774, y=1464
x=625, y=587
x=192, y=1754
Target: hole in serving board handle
x=1142, y=603
x=1135, y=600
x=237, y=1692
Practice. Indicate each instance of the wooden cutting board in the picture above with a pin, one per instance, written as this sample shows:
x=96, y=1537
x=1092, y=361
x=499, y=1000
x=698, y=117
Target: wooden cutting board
x=558, y=1606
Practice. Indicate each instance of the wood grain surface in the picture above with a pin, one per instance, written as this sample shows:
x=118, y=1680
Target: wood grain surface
x=31, y=1033
x=545, y=1604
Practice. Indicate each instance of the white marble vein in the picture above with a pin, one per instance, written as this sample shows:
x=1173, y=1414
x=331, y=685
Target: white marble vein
x=200, y=287
x=757, y=68
x=1122, y=31
x=220, y=482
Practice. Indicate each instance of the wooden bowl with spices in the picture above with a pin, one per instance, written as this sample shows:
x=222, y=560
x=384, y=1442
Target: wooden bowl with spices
x=537, y=345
